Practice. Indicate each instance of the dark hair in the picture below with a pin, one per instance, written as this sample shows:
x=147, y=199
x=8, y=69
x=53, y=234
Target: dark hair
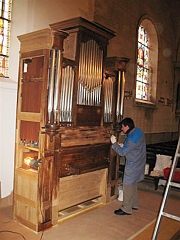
x=128, y=122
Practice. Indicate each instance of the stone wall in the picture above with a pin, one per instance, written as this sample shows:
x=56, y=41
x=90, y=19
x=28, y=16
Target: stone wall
x=123, y=17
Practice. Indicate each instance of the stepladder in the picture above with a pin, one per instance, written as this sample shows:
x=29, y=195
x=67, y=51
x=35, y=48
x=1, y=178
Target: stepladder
x=170, y=183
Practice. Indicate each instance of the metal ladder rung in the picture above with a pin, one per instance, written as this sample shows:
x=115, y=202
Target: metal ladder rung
x=174, y=184
x=169, y=183
x=171, y=216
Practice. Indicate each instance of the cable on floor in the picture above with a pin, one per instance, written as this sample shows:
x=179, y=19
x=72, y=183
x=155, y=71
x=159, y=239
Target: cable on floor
x=6, y=231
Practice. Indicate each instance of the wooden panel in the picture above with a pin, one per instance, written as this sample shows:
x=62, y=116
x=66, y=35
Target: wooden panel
x=36, y=40
x=26, y=197
x=27, y=183
x=32, y=84
x=31, y=97
x=80, y=188
x=84, y=136
x=88, y=116
x=83, y=159
x=29, y=131
x=33, y=69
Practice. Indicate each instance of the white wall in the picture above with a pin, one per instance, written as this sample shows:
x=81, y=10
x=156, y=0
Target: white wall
x=7, y=135
x=27, y=16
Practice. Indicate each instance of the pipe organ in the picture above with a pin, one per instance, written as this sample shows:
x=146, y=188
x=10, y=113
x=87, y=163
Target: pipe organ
x=69, y=100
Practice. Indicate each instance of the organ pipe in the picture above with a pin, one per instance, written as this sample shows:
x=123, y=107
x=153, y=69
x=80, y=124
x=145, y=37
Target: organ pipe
x=90, y=74
x=108, y=98
x=57, y=83
x=66, y=96
x=120, y=96
x=54, y=85
x=51, y=85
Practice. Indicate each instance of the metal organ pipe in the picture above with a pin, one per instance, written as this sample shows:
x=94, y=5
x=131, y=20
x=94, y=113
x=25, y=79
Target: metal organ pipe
x=51, y=85
x=108, y=98
x=54, y=85
x=94, y=71
x=67, y=94
x=62, y=98
x=57, y=83
x=81, y=63
x=71, y=92
x=120, y=96
x=100, y=60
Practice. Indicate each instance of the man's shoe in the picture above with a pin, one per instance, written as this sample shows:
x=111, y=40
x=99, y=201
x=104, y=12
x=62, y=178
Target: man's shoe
x=121, y=212
x=134, y=208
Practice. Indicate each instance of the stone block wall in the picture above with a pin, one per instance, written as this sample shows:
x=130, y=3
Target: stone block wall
x=124, y=17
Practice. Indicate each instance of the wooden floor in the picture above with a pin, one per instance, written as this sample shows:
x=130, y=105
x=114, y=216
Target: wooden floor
x=98, y=224
x=147, y=232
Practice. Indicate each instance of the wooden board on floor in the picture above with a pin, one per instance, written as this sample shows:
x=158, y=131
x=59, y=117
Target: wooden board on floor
x=169, y=229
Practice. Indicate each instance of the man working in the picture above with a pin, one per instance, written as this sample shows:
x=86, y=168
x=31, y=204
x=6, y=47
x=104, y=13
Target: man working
x=134, y=150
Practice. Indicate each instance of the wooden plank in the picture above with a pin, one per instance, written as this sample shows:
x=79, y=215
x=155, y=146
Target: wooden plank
x=26, y=201
x=79, y=209
x=83, y=159
x=37, y=40
x=170, y=229
x=84, y=135
x=26, y=222
x=26, y=184
x=28, y=116
x=76, y=189
x=26, y=197
x=30, y=173
x=26, y=212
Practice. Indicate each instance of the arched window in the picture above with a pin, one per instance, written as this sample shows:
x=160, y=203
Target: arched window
x=147, y=56
x=143, y=71
x=5, y=20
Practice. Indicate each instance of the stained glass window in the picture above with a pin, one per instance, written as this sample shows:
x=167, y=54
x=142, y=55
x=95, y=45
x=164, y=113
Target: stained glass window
x=143, y=72
x=5, y=21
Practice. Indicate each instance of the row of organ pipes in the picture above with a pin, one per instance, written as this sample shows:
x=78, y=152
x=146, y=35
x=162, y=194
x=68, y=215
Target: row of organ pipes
x=90, y=74
x=66, y=103
x=90, y=81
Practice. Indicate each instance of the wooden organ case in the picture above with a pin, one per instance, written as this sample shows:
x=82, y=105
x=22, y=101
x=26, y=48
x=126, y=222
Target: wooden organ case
x=65, y=114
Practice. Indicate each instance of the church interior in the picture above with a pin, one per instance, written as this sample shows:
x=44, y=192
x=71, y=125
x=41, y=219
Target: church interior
x=72, y=71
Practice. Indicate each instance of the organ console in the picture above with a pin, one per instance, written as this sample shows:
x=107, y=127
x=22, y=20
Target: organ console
x=70, y=98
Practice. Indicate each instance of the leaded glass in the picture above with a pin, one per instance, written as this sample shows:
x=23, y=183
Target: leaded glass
x=5, y=19
x=142, y=79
